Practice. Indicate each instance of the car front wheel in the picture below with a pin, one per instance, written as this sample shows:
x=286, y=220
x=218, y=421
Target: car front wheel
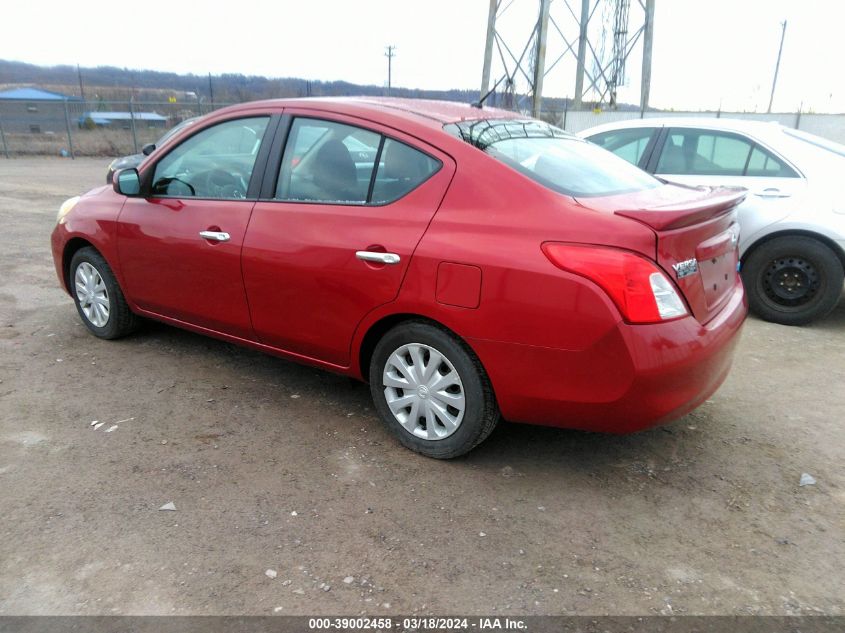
x=431, y=391
x=792, y=280
x=98, y=298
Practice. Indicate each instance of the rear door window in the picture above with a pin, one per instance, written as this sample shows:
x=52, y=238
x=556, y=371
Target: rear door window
x=335, y=163
x=704, y=152
x=699, y=152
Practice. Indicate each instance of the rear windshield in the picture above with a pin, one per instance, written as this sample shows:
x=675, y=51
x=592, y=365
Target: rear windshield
x=554, y=158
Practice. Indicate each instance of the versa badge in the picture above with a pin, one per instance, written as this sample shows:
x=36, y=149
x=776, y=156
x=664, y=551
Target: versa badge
x=686, y=268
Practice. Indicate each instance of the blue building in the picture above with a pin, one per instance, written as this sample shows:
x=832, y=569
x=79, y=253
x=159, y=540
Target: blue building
x=36, y=111
x=123, y=119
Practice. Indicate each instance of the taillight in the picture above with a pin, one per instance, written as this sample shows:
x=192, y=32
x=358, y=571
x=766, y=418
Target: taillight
x=637, y=286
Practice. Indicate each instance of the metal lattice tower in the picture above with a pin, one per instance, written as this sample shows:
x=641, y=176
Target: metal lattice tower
x=555, y=24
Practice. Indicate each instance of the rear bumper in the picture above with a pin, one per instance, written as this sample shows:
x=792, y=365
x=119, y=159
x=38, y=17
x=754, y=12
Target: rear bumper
x=635, y=377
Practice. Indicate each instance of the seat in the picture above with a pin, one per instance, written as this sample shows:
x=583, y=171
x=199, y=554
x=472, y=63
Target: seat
x=334, y=172
x=404, y=169
x=673, y=160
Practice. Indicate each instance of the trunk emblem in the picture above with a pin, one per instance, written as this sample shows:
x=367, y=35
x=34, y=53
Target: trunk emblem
x=686, y=268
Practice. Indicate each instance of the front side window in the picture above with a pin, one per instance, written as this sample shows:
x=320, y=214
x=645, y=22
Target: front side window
x=335, y=163
x=628, y=144
x=215, y=163
x=554, y=158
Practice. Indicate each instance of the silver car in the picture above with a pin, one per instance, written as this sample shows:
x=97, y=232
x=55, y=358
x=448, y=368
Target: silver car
x=793, y=220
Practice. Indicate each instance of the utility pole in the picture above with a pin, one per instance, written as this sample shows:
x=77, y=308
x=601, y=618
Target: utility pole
x=488, y=46
x=81, y=88
x=583, y=22
x=211, y=91
x=648, y=38
x=391, y=52
x=777, y=66
x=540, y=57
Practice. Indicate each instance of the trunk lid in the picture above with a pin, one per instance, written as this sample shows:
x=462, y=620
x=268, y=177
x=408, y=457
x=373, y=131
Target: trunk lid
x=697, y=243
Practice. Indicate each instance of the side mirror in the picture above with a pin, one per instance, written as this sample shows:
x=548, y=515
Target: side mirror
x=127, y=182
x=148, y=149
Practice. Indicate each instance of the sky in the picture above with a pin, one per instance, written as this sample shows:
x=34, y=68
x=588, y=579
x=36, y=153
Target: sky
x=707, y=53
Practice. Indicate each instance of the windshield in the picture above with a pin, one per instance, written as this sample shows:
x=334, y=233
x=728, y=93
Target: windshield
x=554, y=158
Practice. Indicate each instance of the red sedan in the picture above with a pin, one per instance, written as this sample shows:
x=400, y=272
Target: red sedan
x=469, y=263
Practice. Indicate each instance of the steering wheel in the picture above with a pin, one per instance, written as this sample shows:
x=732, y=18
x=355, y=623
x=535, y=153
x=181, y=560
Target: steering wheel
x=223, y=184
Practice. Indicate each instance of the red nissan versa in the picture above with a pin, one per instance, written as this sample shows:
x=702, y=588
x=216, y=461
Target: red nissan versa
x=469, y=263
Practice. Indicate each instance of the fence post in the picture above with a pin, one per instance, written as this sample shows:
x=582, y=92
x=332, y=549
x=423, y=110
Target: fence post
x=67, y=126
x=798, y=116
x=132, y=120
x=3, y=139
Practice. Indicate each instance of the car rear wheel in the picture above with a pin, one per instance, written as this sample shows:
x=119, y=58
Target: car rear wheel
x=431, y=391
x=99, y=300
x=792, y=280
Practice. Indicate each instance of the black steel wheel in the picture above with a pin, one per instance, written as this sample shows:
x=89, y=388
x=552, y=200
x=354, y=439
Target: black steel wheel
x=792, y=280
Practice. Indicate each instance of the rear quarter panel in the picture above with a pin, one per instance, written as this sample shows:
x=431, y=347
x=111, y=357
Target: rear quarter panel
x=496, y=219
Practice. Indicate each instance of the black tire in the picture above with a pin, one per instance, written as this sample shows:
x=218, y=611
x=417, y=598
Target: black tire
x=480, y=414
x=792, y=280
x=121, y=320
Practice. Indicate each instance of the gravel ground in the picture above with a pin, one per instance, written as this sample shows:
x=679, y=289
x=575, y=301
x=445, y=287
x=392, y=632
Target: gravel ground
x=273, y=466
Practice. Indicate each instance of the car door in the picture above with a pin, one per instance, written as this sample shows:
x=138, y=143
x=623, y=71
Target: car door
x=697, y=156
x=180, y=245
x=334, y=232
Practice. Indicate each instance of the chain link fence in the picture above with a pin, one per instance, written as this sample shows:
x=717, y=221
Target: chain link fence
x=82, y=128
x=74, y=127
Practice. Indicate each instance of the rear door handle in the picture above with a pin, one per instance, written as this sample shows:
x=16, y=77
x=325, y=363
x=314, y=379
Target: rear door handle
x=381, y=258
x=217, y=236
x=771, y=192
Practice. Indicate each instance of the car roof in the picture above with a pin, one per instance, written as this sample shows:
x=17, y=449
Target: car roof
x=434, y=113
x=755, y=127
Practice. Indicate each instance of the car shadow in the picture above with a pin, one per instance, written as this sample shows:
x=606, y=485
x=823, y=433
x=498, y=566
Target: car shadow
x=833, y=322
x=518, y=450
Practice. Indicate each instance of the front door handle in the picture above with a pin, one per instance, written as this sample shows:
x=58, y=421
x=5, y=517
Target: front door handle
x=375, y=256
x=217, y=236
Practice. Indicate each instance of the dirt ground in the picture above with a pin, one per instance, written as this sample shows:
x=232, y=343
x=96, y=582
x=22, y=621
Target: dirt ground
x=273, y=466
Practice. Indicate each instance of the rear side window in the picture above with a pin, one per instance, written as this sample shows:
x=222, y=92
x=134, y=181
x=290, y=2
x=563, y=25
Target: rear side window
x=763, y=163
x=627, y=144
x=335, y=163
x=401, y=170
